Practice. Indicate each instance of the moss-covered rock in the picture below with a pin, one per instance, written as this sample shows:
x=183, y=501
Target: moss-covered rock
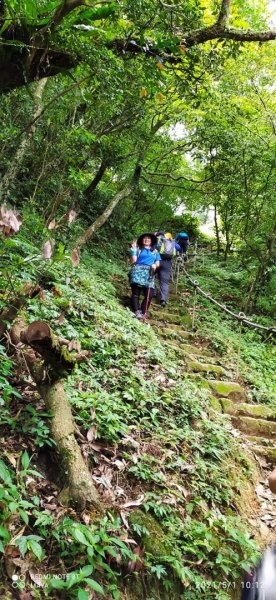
x=196, y=351
x=199, y=367
x=255, y=426
x=155, y=542
x=170, y=317
x=248, y=410
x=229, y=389
x=173, y=332
x=215, y=403
x=268, y=452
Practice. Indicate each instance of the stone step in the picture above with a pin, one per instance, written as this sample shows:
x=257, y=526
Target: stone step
x=176, y=319
x=187, y=350
x=227, y=389
x=248, y=410
x=172, y=331
x=203, y=353
x=256, y=427
x=159, y=310
x=198, y=367
x=262, y=447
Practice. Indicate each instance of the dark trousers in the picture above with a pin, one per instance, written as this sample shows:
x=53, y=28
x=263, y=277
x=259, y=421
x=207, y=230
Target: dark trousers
x=183, y=245
x=148, y=294
x=164, y=275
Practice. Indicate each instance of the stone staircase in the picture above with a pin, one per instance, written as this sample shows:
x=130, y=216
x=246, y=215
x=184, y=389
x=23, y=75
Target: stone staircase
x=255, y=422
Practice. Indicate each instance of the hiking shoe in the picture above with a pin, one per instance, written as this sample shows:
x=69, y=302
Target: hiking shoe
x=144, y=316
x=139, y=314
x=163, y=303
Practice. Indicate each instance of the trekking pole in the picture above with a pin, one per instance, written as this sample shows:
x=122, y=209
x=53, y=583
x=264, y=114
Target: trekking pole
x=239, y=347
x=194, y=305
x=148, y=294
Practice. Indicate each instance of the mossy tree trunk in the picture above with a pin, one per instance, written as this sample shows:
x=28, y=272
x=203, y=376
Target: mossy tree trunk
x=48, y=371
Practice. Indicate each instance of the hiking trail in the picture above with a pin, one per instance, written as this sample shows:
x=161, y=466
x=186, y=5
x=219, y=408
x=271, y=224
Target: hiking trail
x=254, y=424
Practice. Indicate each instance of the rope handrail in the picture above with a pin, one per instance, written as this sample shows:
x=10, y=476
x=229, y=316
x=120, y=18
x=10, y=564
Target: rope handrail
x=241, y=317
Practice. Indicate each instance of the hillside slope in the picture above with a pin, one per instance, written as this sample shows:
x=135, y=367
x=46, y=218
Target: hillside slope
x=175, y=478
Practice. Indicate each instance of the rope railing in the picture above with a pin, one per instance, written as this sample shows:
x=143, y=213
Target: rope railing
x=241, y=317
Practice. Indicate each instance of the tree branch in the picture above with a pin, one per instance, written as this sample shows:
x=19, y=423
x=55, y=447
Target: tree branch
x=224, y=13
x=170, y=176
x=200, y=36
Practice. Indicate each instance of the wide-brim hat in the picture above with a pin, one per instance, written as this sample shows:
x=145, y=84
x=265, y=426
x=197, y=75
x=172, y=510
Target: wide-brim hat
x=150, y=235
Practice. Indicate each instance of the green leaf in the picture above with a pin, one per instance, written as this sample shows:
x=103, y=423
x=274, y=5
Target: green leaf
x=80, y=537
x=25, y=460
x=5, y=473
x=36, y=549
x=21, y=544
x=95, y=586
x=82, y=594
x=4, y=534
x=24, y=516
x=87, y=570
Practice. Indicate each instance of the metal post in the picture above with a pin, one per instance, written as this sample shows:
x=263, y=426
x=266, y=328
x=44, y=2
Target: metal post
x=194, y=305
x=239, y=348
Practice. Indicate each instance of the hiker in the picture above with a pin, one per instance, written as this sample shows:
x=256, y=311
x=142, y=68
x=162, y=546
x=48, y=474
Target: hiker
x=182, y=239
x=145, y=259
x=168, y=248
x=261, y=584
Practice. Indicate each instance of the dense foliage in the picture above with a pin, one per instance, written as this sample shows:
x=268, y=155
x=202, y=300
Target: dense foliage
x=120, y=117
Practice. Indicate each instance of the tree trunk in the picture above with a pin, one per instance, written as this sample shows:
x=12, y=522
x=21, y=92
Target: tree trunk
x=129, y=189
x=18, y=158
x=217, y=230
x=98, y=177
x=79, y=490
x=88, y=234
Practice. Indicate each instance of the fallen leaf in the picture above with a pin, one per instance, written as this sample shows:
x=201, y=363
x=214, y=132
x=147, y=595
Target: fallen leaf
x=47, y=250
x=92, y=433
x=143, y=92
x=52, y=224
x=137, y=502
x=71, y=216
x=136, y=565
x=75, y=257
x=10, y=221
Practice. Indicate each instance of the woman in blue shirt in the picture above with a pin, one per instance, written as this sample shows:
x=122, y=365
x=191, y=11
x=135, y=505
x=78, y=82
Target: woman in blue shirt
x=145, y=260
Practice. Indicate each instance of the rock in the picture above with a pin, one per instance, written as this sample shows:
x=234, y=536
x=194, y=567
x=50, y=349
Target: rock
x=215, y=403
x=249, y=410
x=254, y=426
x=199, y=367
x=268, y=452
x=155, y=542
x=229, y=389
x=174, y=330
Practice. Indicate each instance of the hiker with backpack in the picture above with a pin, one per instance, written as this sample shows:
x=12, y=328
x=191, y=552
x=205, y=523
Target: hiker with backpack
x=182, y=239
x=167, y=248
x=145, y=260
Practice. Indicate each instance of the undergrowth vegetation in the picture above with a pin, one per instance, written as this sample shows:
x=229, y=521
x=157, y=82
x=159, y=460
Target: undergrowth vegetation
x=251, y=353
x=167, y=467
